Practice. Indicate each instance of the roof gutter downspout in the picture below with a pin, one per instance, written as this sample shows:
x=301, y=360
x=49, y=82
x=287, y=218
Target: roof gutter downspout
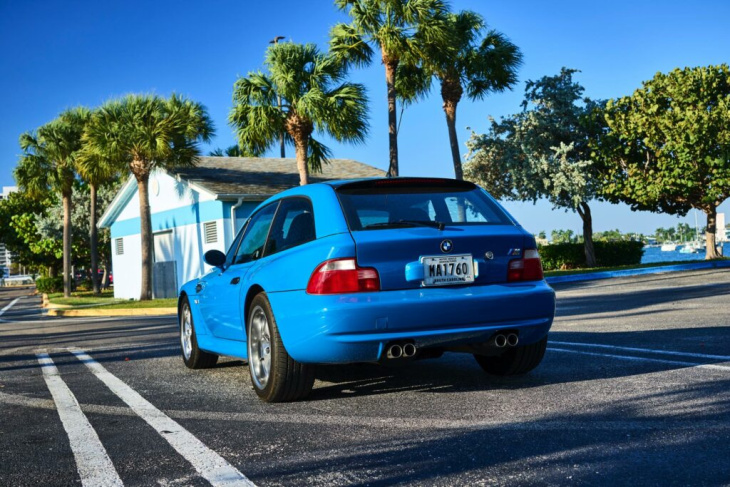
x=233, y=216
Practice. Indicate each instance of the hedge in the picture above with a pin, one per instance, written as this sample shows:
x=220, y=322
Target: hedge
x=49, y=284
x=608, y=254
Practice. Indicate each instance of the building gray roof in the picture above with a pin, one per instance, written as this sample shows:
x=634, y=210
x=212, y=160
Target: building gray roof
x=239, y=176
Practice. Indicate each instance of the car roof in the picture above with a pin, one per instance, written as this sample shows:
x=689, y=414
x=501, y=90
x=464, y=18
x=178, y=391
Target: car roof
x=401, y=179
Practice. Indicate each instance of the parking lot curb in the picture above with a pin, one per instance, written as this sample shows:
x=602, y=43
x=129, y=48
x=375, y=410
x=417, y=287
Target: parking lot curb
x=113, y=312
x=591, y=276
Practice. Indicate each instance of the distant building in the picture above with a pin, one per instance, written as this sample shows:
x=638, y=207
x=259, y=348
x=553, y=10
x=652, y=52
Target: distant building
x=6, y=257
x=7, y=190
x=198, y=209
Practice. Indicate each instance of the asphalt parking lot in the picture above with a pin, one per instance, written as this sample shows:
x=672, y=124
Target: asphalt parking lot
x=634, y=389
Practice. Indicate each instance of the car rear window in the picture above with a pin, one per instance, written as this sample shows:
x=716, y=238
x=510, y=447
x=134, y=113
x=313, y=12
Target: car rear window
x=392, y=203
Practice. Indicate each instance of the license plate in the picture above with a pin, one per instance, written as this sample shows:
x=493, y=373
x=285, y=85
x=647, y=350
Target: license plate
x=443, y=270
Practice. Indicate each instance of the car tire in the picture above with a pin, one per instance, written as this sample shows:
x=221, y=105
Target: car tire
x=514, y=361
x=194, y=357
x=275, y=376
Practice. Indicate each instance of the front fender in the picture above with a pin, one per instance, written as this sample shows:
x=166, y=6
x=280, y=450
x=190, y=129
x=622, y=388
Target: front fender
x=189, y=290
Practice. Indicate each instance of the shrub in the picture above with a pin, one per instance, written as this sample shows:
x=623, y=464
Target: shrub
x=49, y=284
x=608, y=254
x=85, y=285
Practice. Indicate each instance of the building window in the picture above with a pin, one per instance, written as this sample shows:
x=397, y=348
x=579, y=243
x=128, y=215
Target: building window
x=119, y=245
x=210, y=230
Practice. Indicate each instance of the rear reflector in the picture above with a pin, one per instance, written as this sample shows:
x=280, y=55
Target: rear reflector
x=340, y=276
x=528, y=268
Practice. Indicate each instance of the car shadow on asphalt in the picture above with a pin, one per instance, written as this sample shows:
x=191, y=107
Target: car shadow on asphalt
x=454, y=373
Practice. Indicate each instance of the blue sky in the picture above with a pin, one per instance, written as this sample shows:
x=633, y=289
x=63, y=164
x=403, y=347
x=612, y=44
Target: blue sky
x=58, y=54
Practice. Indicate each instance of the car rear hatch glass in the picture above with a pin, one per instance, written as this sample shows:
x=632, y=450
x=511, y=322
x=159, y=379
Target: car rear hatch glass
x=408, y=228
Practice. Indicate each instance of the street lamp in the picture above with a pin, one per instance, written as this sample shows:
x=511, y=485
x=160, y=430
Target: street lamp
x=276, y=40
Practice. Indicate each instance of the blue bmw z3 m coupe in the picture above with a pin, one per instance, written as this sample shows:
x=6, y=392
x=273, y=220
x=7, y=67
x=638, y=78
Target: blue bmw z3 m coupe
x=375, y=270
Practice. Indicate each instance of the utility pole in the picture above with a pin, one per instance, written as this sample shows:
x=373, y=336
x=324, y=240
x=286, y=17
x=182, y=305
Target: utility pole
x=276, y=40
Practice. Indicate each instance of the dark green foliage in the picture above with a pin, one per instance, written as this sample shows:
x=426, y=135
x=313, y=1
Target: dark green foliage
x=608, y=254
x=668, y=147
x=49, y=284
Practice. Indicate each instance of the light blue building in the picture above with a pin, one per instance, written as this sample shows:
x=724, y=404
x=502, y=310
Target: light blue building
x=197, y=209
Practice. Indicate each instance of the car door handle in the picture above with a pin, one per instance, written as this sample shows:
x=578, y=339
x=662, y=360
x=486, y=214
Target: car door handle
x=235, y=280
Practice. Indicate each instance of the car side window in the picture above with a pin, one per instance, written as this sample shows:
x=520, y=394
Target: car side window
x=254, y=238
x=231, y=254
x=293, y=225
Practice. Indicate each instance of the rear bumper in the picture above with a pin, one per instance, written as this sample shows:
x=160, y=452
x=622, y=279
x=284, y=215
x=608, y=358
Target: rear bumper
x=356, y=327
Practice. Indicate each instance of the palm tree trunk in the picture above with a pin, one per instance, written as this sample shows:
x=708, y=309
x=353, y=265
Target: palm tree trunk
x=711, y=250
x=300, y=147
x=450, y=111
x=107, y=270
x=300, y=129
x=145, y=235
x=585, y=213
x=451, y=92
x=94, y=242
x=67, y=274
x=390, y=68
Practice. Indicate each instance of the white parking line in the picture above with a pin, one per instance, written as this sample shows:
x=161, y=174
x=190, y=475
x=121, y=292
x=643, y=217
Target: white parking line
x=643, y=359
x=208, y=463
x=92, y=462
x=724, y=358
x=12, y=303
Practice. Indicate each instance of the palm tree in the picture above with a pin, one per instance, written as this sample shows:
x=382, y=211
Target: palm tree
x=48, y=164
x=232, y=151
x=316, y=98
x=402, y=30
x=97, y=171
x=479, y=61
x=140, y=133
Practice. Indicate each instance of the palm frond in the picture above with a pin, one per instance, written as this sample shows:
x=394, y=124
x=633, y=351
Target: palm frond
x=492, y=67
x=317, y=155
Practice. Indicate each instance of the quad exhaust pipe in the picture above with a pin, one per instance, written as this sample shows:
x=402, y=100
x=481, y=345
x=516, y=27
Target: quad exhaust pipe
x=501, y=340
x=402, y=351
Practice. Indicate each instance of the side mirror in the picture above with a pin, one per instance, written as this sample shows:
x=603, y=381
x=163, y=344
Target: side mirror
x=215, y=258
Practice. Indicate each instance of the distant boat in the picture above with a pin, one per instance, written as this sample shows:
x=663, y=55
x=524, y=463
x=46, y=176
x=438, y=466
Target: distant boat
x=693, y=247
x=669, y=247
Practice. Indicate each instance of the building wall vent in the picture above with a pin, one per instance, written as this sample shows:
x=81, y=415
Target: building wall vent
x=119, y=245
x=210, y=230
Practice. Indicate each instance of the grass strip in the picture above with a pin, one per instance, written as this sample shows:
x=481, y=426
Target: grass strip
x=623, y=268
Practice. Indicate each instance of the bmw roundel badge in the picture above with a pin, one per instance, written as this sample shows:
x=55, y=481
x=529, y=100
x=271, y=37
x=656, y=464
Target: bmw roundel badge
x=446, y=246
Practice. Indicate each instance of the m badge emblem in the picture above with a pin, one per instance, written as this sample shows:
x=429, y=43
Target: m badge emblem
x=489, y=255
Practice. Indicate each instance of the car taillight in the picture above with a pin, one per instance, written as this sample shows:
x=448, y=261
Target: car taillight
x=528, y=268
x=339, y=276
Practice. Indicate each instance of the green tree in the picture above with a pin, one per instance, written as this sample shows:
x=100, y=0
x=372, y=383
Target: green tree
x=562, y=236
x=48, y=224
x=48, y=164
x=401, y=30
x=543, y=151
x=18, y=215
x=668, y=149
x=316, y=98
x=140, y=133
x=476, y=61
